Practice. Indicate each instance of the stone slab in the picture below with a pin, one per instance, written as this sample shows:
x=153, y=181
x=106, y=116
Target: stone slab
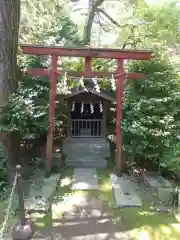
x=163, y=209
x=48, y=190
x=35, y=183
x=85, y=179
x=155, y=180
x=164, y=193
x=39, y=195
x=54, y=178
x=124, y=192
x=37, y=204
x=50, y=185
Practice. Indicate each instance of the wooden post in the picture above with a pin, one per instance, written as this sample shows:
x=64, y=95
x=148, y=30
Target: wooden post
x=119, y=104
x=21, y=195
x=104, y=119
x=52, y=99
x=25, y=228
x=69, y=120
x=88, y=65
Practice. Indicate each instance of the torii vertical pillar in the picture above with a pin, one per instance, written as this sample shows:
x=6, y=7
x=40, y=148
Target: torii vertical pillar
x=52, y=99
x=119, y=109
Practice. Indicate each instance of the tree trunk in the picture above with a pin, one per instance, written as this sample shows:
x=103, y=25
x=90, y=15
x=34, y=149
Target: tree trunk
x=9, y=31
x=89, y=23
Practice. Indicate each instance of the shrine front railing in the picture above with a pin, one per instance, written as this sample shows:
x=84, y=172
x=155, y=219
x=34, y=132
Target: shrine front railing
x=86, y=128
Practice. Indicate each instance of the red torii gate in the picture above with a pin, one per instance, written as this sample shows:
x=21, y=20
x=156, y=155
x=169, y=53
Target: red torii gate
x=88, y=54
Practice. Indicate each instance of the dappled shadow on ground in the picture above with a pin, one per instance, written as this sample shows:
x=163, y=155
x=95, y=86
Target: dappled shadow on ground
x=141, y=223
x=144, y=223
x=86, y=217
x=76, y=215
x=150, y=225
x=89, y=218
x=147, y=224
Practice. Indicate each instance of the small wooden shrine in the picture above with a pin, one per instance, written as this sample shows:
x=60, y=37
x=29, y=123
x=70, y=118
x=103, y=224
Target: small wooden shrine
x=87, y=111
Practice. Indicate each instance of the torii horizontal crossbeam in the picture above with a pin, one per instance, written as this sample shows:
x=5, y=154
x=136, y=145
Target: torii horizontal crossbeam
x=86, y=52
x=46, y=72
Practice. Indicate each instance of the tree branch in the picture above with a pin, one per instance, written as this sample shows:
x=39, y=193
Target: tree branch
x=89, y=22
x=97, y=3
x=129, y=38
x=102, y=26
x=114, y=21
x=111, y=19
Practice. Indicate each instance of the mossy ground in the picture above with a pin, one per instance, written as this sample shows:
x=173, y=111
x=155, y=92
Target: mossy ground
x=140, y=223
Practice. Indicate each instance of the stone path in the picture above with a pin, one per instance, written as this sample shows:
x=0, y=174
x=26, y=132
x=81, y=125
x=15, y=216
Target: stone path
x=89, y=219
x=85, y=179
x=40, y=194
x=125, y=193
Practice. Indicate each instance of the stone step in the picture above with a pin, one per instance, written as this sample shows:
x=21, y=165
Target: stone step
x=80, y=153
x=99, y=146
x=84, y=139
x=104, y=152
x=86, y=164
x=85, y=156
x=57, y=155
x=86, y=161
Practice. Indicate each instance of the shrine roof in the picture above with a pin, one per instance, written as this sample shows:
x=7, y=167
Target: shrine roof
x=102, y=93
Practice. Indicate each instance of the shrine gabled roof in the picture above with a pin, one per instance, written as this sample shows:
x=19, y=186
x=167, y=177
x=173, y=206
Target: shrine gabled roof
x=103, y=94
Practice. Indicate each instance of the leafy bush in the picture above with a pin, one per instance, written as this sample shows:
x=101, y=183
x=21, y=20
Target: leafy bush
x=170, y=161
x=151, y=111
x=27, y=109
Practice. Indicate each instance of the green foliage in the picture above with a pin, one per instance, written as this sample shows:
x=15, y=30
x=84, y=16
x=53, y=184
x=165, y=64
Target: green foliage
x=151, y=110
x=48, y=22
x=26, y=61
x=27, y=109
x=170, y=161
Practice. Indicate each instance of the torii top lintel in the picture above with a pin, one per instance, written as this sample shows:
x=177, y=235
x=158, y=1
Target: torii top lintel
x=86, y=52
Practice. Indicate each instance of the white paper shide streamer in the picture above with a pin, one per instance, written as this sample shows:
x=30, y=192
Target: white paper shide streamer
x=113, y=83
x=126, y=64
x=82, y=107
x=92, y=108
x=100, y=107
x=65, y=87
x=73, y=106
x=96, y=85
x=81, y=82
